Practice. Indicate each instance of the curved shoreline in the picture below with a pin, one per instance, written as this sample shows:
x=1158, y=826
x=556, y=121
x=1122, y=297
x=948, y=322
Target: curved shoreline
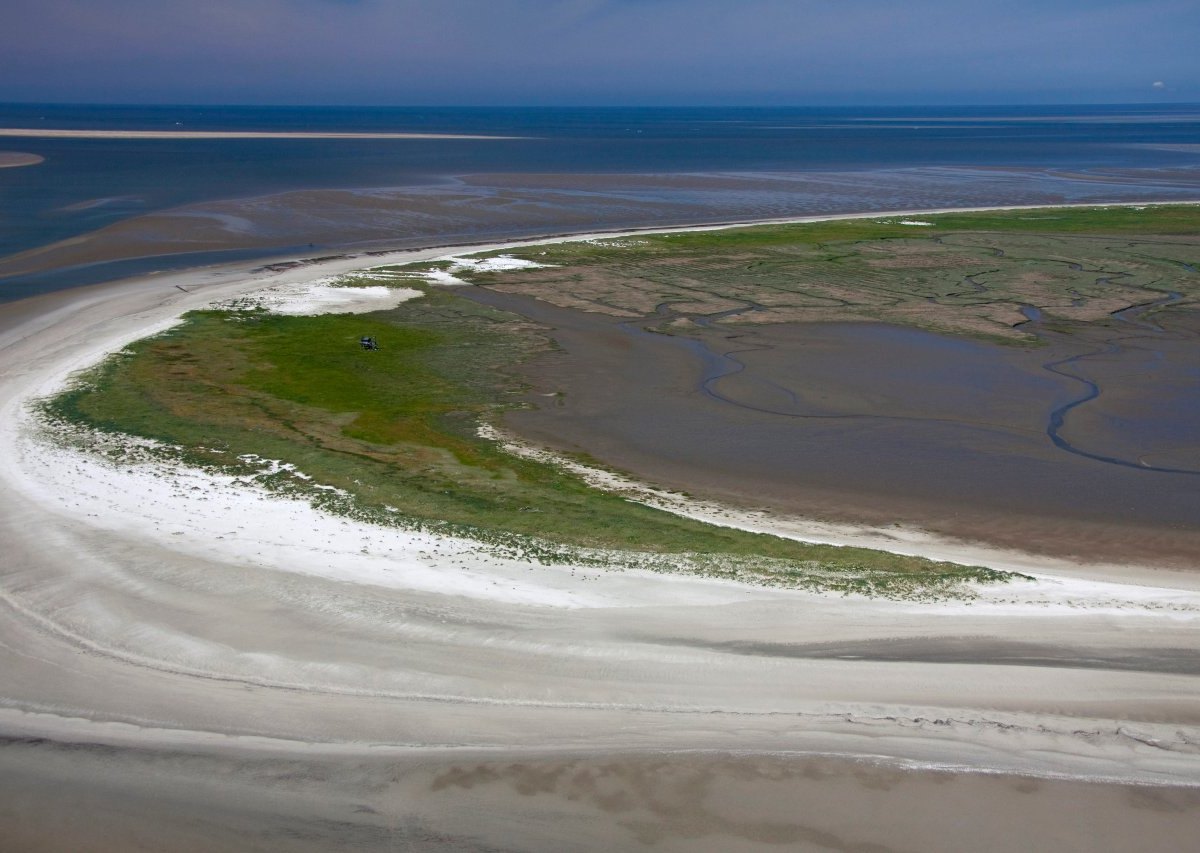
x=141, y=620
x=237, y=279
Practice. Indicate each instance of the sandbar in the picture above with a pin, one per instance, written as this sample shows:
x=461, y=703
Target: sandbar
x=484, y=208
x=14, y=159
x=52, y=133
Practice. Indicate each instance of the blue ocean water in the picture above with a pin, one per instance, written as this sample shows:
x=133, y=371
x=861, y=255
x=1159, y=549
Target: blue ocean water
x=85, y=184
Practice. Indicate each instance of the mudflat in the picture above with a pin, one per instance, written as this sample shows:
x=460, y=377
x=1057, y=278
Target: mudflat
x=194, y=663
x=1019, y=379
x=875, y=424
x=480, y=208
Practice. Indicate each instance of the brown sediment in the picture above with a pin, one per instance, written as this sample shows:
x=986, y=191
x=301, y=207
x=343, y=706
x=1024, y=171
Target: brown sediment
x=157, y=695
x=359, y=220
x=13, y=159
x=867, y=424
x=128, y=801
x=476, y=208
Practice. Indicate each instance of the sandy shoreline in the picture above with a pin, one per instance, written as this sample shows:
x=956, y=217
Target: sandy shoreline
x=50, y=133
x=147, y=614
x=487, y=207
x=199, y=287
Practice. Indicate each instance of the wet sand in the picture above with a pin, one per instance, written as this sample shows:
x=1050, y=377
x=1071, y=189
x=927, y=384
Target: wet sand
x=471, y=209
x=881, y=425
x=541, y=803
x=13, y=159
x=179, y=680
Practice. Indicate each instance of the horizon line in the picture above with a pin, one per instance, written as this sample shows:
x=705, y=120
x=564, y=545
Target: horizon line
x=614, y=106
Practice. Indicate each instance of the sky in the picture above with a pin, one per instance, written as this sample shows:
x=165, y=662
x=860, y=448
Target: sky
x=600, y=52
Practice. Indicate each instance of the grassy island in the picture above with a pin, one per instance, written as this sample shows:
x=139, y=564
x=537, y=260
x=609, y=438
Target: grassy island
x=391, y=436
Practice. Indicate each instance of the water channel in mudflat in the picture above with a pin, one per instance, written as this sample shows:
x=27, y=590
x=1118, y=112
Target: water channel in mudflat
x=1084, y=445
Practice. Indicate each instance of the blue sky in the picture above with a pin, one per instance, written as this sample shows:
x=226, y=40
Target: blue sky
x=652, y=52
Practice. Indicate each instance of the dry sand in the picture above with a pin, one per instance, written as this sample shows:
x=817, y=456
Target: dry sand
x=190, y=665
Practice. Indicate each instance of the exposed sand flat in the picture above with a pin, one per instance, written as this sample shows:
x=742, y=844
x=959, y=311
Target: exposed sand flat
x=189, y=662
x=483, y=208
x=432, y=801
x=13, y=159
x=52, y=133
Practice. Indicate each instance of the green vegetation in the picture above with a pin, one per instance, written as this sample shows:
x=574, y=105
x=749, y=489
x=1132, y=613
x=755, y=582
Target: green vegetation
x=391, y=436
x=395, y=432
x=964, y=273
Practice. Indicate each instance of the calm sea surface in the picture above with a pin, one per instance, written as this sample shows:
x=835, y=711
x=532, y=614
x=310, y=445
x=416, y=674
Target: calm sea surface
x=85, y=184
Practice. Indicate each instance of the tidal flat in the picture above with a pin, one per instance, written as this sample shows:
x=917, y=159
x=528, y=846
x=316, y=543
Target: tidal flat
x=199, y=649
x=392, y=436
x=981, y=376
x=545, y=803
x=1019, y=378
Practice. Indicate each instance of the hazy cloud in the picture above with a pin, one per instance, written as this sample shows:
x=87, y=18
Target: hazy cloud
x=594, y=51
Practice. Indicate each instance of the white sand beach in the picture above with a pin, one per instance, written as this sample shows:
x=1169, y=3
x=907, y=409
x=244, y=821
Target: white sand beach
x=166, y=620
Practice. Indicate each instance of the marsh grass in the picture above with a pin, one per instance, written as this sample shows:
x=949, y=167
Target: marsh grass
x=967, y=274
x=390, y=437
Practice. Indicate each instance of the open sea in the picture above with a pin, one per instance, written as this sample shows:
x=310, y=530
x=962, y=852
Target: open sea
x=570, y=169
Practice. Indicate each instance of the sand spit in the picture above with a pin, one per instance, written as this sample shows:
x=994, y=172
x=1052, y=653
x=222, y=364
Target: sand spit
x=14, y=159
x=272, y=666
x=1060, y=582
x=51, y=133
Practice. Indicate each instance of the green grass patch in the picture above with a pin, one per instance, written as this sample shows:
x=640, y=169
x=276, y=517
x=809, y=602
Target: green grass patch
x=395, y=430
x=967, y=274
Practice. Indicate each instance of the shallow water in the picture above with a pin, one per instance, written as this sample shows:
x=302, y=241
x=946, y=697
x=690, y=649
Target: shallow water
x=88, y=797
x=571, y=170
x=880, y=424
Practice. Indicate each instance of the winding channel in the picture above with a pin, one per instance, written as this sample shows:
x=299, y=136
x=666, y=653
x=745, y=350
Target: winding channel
x=722, y=365
x=1092, y=390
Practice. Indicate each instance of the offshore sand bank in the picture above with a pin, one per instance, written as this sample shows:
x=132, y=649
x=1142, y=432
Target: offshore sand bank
x=50, y=133
x=196, y=665
x=13, y=159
